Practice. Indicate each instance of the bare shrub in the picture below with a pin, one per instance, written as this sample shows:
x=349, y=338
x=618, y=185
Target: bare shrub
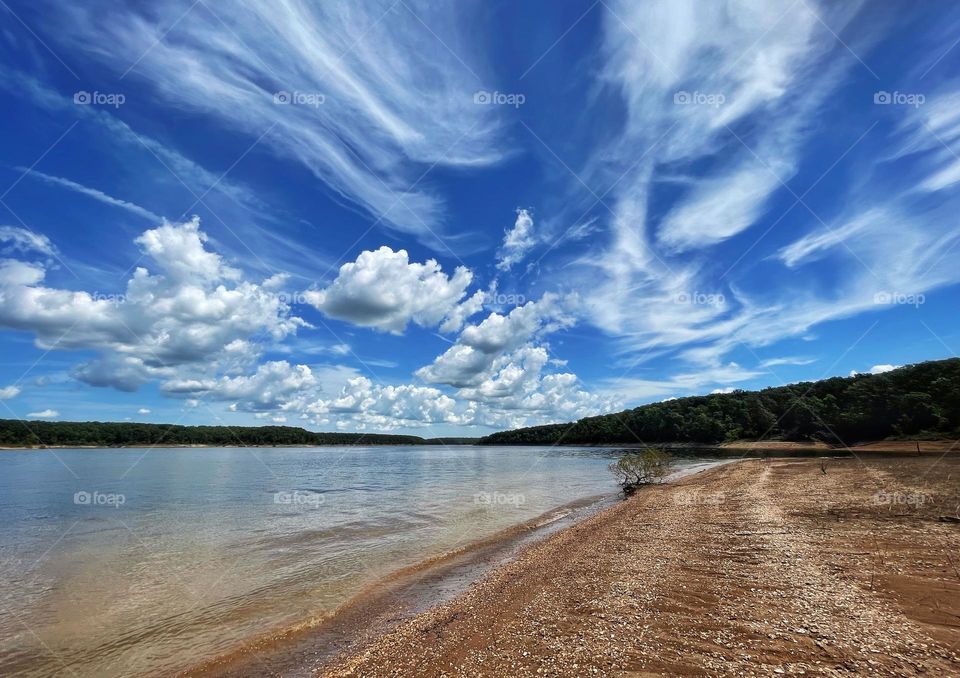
x=641, y=468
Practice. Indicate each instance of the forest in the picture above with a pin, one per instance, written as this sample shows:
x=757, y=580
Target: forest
x=16, y=433
x=921, y=400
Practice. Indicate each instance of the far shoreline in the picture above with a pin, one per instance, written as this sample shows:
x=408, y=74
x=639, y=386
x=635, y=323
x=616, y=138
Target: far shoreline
x=784, y=448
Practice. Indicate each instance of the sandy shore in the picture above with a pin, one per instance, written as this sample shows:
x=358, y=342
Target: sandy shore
x=752, y=569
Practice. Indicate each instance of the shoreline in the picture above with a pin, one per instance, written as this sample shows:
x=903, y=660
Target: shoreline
x=303, y=649
x=315, y=646
x=754, y=568
x=780, y=447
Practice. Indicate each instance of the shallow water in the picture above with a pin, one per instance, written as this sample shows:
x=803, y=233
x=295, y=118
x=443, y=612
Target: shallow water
x=137, y=562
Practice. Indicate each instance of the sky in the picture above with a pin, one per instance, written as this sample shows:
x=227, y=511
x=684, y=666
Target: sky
x=456, y=218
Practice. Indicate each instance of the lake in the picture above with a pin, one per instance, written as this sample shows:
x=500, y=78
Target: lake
x=136, y=561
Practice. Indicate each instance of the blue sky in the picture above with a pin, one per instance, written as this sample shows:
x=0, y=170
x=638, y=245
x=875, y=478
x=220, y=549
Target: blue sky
x=461, y=217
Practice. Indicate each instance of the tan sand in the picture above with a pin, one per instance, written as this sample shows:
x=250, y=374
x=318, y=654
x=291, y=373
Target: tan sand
x=836, y=567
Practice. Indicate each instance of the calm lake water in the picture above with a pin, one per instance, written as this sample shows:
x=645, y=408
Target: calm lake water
x=137, y=562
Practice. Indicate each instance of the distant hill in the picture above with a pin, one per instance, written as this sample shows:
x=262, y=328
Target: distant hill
x=15, y=433
x=921, y=400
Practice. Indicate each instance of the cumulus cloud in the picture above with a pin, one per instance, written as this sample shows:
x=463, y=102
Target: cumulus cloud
x=516, y=392
x=517, y=241
x=193, y=311
x=179, y=250
x=366, y=404
x=44, y=414
x=382, y=289
x=8, y=392
x=273, y=385
x=14, y=239
x=188, y=320
x=468, y=361
x=876, y=369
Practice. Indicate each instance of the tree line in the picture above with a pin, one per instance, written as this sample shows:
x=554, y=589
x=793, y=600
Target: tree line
x=921, y=400
x=16, y=433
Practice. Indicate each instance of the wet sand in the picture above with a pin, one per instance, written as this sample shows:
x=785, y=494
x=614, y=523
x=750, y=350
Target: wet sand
x=789, y=566
x=307, y=649
x=313, y=646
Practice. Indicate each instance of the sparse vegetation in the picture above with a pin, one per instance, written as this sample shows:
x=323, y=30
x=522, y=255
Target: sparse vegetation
x=641, y=468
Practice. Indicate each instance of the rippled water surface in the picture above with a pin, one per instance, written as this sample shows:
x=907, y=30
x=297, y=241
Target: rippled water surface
x=133, y=562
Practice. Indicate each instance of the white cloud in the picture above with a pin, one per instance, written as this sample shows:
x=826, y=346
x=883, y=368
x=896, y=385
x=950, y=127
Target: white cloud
x=44, y=414
x=517, y=241
x=8, y=392
x=194, y=312
x=464, y=311
x=382, y=289
x=188, y=323
x=93, y=193
x=373, y=93
x=724, y=161
x=179, y=250
x=876, y=369
x=789, y=360
x=468, y=361
x=720, y=208
x=723, y=164
x=15, y=239
x=632, y=389
x=363, y=404
x=933, y=138
x=515, y=392
x=340, y=349
x=274, y=385
x=816, y=244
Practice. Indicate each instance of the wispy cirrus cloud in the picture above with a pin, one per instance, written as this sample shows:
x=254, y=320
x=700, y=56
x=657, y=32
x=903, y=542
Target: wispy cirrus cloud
x=365, y=95
x=97, y=195
x=718, y=92
x=720, y=110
